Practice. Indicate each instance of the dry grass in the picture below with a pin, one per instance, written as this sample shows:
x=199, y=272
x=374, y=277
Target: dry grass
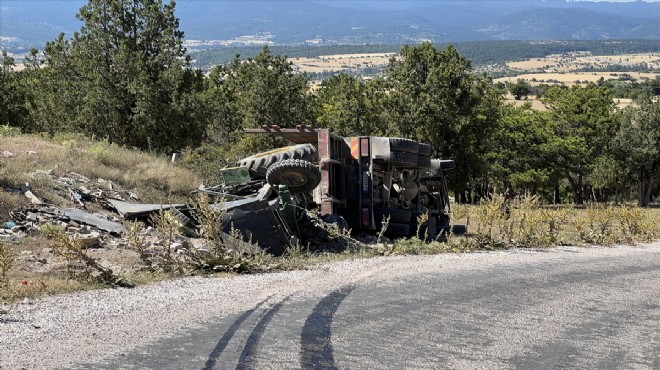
x=39, y=161
x=526, y=223
x=154, y=178
x=567, y=63
x=493, y=225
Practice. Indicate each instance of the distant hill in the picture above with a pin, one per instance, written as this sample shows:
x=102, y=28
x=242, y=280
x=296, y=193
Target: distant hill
x=562, y=24
x=25, y=24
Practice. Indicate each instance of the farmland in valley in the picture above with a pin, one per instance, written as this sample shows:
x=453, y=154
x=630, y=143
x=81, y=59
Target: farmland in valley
x=583, y=67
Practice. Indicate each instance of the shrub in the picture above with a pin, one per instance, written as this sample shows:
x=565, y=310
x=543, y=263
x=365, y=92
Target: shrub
x=72, y=250
x=6, y=130
x=100, y=153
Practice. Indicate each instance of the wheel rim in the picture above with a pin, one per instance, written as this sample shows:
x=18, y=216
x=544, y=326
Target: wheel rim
x=293, y=179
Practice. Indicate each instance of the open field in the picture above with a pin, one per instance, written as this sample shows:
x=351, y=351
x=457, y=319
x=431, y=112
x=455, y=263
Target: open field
x=554, y=69
x=565, y=69
x=571, y=78
x=538, y=105
x=568, y=63
x=341, y=62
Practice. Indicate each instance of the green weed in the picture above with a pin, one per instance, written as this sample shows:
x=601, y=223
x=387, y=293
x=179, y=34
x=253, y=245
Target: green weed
x=71, y=249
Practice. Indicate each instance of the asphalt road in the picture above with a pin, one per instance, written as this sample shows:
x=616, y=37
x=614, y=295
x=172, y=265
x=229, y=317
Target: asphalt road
x=596, y=308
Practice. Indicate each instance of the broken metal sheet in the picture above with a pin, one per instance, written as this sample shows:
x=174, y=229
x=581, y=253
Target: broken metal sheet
x=220, y=194
x=94, y=220
x=130, y=211
x=245, y=204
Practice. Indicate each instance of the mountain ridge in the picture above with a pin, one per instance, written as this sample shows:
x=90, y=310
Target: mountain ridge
x=26, y=24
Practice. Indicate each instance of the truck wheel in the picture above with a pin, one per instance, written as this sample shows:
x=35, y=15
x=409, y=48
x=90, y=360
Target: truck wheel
x=400, y=144
x=395, y=229
x=459, y=229
x=337, y=220
x=259, y=163
x=424, y=149
x=300, y=176
x=428, y=228
x=402, y=159
x=423, y=161
x=397, y=215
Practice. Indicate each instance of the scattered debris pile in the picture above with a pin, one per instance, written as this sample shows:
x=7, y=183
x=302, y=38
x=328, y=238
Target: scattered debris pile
x=102, y=218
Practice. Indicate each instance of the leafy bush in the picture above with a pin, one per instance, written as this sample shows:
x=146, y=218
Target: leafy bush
x=99, y=153
x=6, y=130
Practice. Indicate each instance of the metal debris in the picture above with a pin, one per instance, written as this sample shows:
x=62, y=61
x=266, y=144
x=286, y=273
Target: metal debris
x=132, y=211
x=99, y=222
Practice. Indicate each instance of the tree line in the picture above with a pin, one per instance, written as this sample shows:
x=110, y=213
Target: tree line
x=479, y=52
x=125, y=77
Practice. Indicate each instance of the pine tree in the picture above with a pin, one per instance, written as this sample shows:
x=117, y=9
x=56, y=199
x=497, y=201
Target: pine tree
x=125, y=76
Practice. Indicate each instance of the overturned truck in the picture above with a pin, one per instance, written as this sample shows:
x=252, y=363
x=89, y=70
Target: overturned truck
x=363, y=183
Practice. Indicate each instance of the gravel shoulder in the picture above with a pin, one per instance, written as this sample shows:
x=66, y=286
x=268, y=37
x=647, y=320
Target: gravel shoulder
x=66, y=330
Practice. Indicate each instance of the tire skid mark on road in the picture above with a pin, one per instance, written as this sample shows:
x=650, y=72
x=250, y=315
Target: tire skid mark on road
x=246, y=360
x=315, y=340
x=224, y=341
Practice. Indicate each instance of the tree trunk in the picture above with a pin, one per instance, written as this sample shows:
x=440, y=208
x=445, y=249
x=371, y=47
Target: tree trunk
x=645, y=185
x=556, y=193
x=617, y=195
x=460, y=196
x=576, y=185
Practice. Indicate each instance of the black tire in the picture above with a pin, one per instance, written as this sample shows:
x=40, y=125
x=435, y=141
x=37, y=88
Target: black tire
x=438, y=165
x=424, y=149
x=423, y=161
x=400, y=144
x=459, y=229
x=337, y=220
x=428, y=229
x=401, y=159
x=300, y=176
x=398, y=230
x=455, y=229
x=443, y=221
x=259, y=163
x=397, y=215
x=442, y=164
